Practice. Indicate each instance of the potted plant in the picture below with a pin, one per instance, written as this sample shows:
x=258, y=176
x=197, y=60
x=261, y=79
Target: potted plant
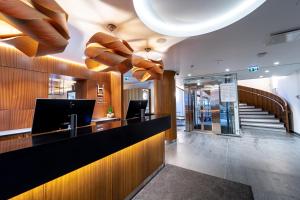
x=110, y=112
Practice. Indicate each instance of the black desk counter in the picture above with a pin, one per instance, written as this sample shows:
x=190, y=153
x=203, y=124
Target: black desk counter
x=30, y=161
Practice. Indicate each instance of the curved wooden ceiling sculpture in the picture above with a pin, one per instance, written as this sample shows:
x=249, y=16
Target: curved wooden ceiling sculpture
x=107, y=53
x=42, y=25
x=144, y=69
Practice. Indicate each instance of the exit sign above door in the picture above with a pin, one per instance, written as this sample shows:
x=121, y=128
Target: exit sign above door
x=253, y=68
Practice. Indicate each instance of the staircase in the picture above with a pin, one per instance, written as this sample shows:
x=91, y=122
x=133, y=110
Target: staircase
x=256, y=118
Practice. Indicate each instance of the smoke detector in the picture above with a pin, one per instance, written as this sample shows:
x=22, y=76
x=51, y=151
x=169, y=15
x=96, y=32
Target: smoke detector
x=148, y=49
x=111, y=27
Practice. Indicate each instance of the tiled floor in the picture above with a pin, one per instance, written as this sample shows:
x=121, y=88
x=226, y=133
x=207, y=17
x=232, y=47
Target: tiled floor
x=268, y=161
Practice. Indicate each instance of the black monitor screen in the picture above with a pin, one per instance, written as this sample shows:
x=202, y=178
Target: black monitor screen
x=134, y=108
x=54, y=114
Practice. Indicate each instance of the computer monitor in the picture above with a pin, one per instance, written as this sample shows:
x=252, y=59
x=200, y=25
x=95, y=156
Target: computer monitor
x=54, y=114
x=134, y=108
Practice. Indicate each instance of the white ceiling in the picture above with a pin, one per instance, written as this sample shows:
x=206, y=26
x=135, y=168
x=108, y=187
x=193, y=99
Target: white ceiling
x=236, y=46
x=86, y=17
x=192, y=17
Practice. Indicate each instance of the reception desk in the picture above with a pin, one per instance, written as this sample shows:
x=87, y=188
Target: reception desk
x=104, y=161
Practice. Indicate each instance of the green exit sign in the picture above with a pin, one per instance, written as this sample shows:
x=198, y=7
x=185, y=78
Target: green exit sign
x=253, y=68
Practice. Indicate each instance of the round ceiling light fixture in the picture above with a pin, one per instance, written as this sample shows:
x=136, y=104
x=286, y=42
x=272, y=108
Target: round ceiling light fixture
x=196, y=17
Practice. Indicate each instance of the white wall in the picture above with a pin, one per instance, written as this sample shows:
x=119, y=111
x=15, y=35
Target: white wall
x=179, y=102
x=289, y=88
x=261, y=84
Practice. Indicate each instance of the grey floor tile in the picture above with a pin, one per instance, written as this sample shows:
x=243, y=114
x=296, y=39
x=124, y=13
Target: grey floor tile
x=268, y=161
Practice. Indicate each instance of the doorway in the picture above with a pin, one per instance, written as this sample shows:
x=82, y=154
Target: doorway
x=211, y=104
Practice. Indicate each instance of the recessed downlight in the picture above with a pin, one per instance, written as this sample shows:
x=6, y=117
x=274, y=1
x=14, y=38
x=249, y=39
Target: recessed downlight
x=261, y=76
x=227, y=70
x=189, y=74
x=267, y=71
x=276, y=63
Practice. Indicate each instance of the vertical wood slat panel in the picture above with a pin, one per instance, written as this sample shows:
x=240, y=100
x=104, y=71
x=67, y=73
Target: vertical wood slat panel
x=111, y=178
x=116, y=81
x=18, y=92
x=4, y=119
x=100, y=109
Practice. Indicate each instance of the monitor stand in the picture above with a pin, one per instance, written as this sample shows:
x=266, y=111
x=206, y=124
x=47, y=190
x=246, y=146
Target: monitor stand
x=73, y=124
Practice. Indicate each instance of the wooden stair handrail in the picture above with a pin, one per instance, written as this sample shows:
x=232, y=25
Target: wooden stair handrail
x=280, y=102
x=282, y=107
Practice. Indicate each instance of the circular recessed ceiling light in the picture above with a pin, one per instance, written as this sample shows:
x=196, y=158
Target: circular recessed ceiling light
x=182, y=19
x=227, y=70
x=261, y=76
x=267, y=71
x=189, y=74
x=276, y=63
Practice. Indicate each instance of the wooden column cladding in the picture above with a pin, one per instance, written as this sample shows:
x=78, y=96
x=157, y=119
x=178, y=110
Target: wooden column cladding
x=23, y=79
x=165, y=101
x=116, y=80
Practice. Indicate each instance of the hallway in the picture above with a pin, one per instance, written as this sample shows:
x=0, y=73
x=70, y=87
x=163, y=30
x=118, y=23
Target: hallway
x=269, y=162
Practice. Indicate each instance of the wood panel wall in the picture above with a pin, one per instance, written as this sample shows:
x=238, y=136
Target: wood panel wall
x=165, y=100
x=23, y=79
x=17, y=96
x=87, y=89
x=111, y=178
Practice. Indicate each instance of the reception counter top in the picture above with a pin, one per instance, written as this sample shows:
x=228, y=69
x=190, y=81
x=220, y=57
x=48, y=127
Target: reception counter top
x=29, y=161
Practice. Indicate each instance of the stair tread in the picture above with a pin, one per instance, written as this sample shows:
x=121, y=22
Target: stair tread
x=261, y=120
x=272, y=125
x=265, y=128
x=258, y=116
x=254, y=112
x=246, y=106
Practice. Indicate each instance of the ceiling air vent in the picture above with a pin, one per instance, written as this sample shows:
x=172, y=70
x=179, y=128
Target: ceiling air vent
x=261, y=54
x=284, y=36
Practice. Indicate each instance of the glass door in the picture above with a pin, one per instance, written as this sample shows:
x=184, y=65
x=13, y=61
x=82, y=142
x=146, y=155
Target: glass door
x=206, y=116
x=211, y=104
